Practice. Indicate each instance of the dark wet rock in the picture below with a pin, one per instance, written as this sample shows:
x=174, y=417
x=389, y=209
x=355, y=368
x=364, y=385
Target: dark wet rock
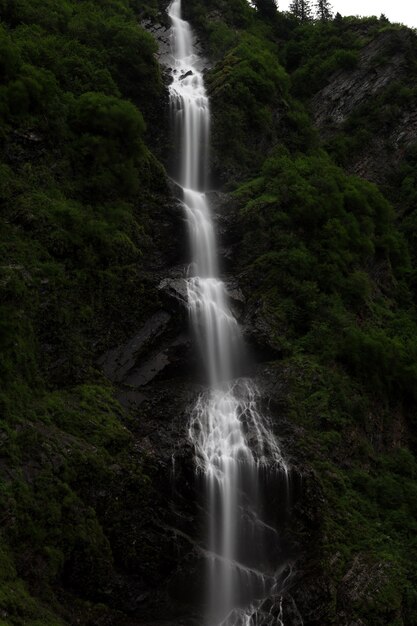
x=177, y=358
x=220, y=201
x=260, y=329
x=161, y=348
x=167, y=233
x=224, y=209
x=175, y=289
x=159, y=411
x=161, y=429
x=234, y=292
x=134, y=370
x=313, y=595
x=177, y=192
x=290, y=611
x=162, y=35
x=189, y=73
x=272, y=382
x=118, y=362
x=165, y=363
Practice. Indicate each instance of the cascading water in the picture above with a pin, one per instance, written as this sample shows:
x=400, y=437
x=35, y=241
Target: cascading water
x=234, y=447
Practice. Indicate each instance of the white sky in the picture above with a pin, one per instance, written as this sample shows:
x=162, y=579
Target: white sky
x=404, y=11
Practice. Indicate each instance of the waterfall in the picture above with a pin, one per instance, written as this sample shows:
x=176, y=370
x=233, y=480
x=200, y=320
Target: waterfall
x=235, y=449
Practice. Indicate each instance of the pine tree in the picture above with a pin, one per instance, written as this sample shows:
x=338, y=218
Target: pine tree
x=324, y=10
x=301, y=9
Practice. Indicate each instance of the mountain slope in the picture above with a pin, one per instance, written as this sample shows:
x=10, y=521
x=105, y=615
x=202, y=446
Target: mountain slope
x=96, y=366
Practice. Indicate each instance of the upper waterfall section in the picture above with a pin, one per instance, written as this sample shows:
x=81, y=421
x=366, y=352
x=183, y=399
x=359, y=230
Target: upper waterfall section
x=188, y=93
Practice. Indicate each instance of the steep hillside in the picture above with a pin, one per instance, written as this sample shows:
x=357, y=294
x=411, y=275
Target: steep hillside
x=86, y=221
x=326, y=263
x=98, y=525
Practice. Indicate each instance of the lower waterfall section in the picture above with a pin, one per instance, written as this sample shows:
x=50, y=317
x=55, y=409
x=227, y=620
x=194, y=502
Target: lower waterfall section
x=237, y=456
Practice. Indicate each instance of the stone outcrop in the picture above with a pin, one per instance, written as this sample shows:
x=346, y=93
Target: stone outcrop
x=162, y=34
x=346, y=90
x=381, y=64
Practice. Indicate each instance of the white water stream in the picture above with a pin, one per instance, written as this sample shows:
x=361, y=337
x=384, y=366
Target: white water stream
x=233, y=443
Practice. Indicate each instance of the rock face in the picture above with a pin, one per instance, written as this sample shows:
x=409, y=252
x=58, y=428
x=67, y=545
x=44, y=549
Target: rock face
x=117, y=364
x=382, y=62
x=348, y=89
x=384, y=153
x=162, y=34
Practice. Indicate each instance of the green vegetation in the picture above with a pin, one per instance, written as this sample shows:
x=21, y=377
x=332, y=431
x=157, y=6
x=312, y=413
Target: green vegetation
x=322, y=256
x=329, y=265
x=330, y=258
x=245, y=86
x=79, y=83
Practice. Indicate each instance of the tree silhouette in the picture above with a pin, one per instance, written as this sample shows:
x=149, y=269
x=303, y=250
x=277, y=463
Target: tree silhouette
x=323, y=10
x=301, y=9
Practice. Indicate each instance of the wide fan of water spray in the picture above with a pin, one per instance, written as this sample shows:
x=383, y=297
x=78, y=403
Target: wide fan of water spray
x=233, y=442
